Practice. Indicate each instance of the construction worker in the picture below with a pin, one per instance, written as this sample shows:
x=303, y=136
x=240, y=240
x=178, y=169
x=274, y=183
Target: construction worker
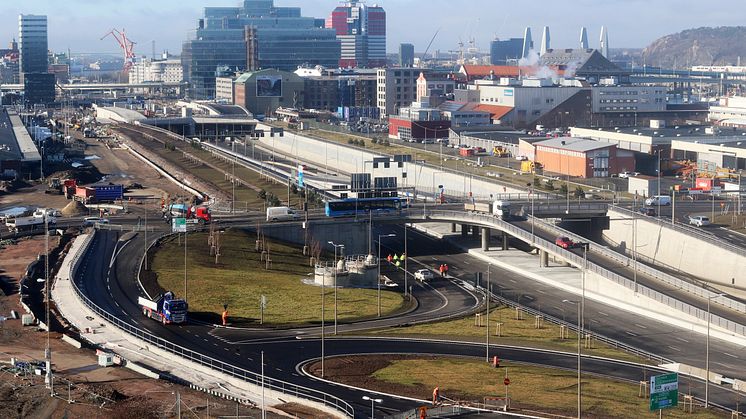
x=441, y=269
x=225, y=317
x=445, y=268
x=436, y=395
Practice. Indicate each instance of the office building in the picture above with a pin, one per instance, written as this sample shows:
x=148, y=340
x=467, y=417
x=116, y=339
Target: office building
x=38, y=83
x=32, y=44
x=406, y=55
x=506, y=51
x=361, y=30
x=256, y=35
x=167, y=70
x=397, y=87
x=262, y=92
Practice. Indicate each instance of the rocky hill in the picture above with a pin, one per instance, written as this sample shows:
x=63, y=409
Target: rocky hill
x=702, y=46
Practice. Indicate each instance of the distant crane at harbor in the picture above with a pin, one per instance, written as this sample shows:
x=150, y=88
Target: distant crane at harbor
x=127, y=46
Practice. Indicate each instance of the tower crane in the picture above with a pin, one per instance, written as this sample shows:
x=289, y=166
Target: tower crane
x=127, y=46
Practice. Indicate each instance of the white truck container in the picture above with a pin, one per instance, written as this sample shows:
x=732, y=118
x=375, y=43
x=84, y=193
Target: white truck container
x=18, y=224
x=281, y=214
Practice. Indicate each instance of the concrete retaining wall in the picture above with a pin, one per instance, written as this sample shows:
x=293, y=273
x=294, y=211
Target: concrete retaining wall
x=350, y=160
x=661, y=244
x=354, y=234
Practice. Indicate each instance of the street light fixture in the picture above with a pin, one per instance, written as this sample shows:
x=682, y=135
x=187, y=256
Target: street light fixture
x=707, y=356
x=335, y=282
x=372, y=405
x=378, y=277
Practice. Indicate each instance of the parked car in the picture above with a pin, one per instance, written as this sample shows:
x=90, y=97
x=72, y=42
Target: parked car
x=699, y=220
x=565, y=242
x=90, y=221
x=423, y=275
x=521, y=158
x=647, y=211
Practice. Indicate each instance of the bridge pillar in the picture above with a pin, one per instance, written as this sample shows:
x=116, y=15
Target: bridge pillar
x=505, y=240
x=485, y=238
x=464, y=229
x=543, y=258
x=453, y=227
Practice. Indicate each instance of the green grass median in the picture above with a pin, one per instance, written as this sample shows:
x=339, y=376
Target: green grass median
x=239, y=279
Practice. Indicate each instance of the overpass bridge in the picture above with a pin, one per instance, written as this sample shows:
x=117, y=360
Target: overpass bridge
x=101, y=86
x=684, y=297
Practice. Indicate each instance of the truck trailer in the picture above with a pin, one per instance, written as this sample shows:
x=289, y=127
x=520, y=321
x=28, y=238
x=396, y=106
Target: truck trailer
x=498, y=208
x=165, y=308
x=18, y=224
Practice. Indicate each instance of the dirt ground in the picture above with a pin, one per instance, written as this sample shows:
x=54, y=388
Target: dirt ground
x=96, y=391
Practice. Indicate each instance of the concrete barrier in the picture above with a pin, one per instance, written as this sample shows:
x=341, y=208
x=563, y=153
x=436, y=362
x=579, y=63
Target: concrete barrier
x=71, y=341
x=659, y=243
x=141, y=370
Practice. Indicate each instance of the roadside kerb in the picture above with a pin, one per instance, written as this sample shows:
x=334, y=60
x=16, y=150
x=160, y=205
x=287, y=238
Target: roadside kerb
x=239, y=378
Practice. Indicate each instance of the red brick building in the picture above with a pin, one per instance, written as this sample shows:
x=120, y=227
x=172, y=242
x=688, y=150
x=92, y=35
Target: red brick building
x=582, y=157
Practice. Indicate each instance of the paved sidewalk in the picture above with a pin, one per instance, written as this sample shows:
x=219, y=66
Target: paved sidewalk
x=136, y=353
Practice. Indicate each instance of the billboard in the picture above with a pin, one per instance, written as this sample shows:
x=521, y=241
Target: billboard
x=269, y=86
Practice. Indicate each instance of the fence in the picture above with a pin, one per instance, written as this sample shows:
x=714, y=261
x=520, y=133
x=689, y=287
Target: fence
x=206, y=361
x=491, y=221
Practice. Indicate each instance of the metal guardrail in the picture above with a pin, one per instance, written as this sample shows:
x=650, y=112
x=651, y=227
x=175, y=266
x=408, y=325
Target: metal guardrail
x=489, y=220
x=206, y=361
x=692, y=288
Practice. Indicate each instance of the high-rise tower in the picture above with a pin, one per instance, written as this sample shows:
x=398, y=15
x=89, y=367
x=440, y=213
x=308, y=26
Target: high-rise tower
x=584, y=38
x=361, y=30
x=528, y=43
x=604, y=42
x=545, y=41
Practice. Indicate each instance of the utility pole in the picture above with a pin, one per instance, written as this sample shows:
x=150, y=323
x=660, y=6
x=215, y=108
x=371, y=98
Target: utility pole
x=48, y=350
x=487, y=295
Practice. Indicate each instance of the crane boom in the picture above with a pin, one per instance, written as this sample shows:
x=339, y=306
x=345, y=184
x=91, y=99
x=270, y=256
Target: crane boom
x=127, y=46
x=431, y=43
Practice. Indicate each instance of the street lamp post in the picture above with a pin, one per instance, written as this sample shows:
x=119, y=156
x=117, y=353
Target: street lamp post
x=707, y=355
x=378, y=277
x=335, y=282
x=579, y=365
x=488, y=295
x=372, y=405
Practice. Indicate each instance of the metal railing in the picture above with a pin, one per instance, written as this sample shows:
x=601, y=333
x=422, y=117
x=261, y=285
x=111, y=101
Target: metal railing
x=492, y=221
x=692, y=288
x=206, y=361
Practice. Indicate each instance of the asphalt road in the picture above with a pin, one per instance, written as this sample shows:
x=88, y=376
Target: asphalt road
x=116, y=290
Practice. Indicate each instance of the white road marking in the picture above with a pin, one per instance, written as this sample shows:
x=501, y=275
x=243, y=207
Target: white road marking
x=682, y=340
x=640, y=326
x=675, y=348
x=630, y=333
x=603, y=314
x=730, y=355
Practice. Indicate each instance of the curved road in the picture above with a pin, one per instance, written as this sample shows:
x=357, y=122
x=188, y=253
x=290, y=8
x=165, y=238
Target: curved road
x=112, y=285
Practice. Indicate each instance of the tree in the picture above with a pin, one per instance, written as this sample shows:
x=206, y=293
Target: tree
x=563, y=189
x=262, y=194
x=579, y=192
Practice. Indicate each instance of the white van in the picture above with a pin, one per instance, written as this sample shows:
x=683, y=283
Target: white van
x=281, y=214
x=663, y=200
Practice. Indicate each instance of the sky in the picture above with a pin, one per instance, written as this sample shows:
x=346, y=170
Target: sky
x=80, y=24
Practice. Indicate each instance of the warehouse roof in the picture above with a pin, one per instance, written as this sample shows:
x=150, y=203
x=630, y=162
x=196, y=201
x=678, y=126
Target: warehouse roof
x=574, y=144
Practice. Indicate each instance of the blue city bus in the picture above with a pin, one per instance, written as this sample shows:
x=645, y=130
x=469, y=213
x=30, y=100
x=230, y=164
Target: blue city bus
x=359, y=206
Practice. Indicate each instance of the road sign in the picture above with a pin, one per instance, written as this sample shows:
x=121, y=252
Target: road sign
x=506, y=381
x=664, y=391
x=263, y=301
x=178, y=225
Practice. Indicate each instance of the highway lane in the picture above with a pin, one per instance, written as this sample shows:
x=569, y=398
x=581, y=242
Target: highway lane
x=280, y=363
x=628, y=272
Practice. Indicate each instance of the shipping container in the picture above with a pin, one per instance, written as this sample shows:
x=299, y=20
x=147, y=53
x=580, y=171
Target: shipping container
x=108, y=193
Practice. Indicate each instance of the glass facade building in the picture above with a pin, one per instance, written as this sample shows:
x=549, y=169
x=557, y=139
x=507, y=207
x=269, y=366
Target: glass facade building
x=32, y=43
x=284, y=41
x=503, y=52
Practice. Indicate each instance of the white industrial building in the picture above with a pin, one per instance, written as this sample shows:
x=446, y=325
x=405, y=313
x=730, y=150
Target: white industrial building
x=730, y=112
x=164, y=70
